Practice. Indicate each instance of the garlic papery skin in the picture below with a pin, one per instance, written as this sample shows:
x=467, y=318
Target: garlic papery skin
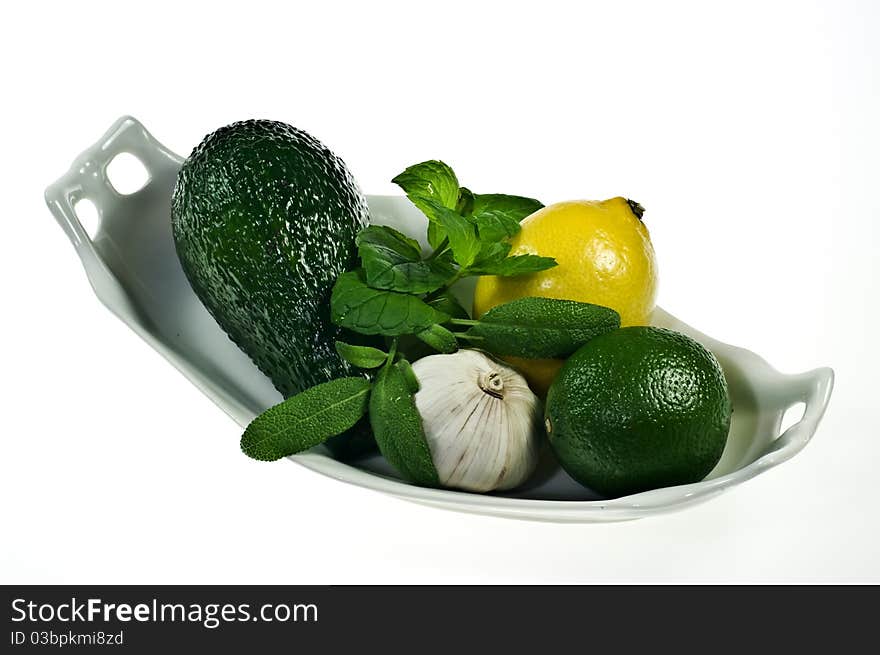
x=482, y=422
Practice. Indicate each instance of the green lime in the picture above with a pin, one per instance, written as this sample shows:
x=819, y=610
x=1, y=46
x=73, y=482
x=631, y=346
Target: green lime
x=637, y=409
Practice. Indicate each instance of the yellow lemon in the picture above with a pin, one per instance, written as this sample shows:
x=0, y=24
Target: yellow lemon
x=604, y=256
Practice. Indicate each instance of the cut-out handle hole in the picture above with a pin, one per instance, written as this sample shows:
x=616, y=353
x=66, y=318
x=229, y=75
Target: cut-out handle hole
x=792, y=415
x=127, y=174
x=88, y=216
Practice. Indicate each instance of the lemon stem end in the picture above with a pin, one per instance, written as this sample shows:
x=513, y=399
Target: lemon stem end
x=636, y=208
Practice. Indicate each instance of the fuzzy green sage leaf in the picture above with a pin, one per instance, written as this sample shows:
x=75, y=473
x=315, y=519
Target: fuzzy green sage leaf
x=412, y=382
x=306, y=419
x=540, y=327
x=439, y=338
x=397, y=427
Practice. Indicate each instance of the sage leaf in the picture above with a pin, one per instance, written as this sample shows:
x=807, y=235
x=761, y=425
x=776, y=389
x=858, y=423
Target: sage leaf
x=361, y=356
x=306, y=419
x=541, y=327
x=412, y=382
x=439, y=338
x=397, y=427
x=515, y=265
x=393, y=261
x=359, y=307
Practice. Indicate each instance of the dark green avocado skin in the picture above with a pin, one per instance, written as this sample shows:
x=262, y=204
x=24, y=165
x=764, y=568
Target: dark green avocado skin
x=264, y=218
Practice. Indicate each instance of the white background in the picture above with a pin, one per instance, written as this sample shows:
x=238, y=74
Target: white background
x=748, y=130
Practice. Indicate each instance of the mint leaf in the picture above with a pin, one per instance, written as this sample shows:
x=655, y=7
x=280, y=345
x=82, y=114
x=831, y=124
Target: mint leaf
x=448, y=304
x=510, y=266
x=443, y=265
x=430, y=181
x=361, y=356
x=491, y=253
x=386, y=239
x=358, y=307
x=436, y=233
x=541, y=327
x=439, y=338
x=497, y=216
x=393, y=261
x=306, y=419
x=465, y=204
x=398, y=429
x=495, y=225
x=514, y=207
x=462, y=234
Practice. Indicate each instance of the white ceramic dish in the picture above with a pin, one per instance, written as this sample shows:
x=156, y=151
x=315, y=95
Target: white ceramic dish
x=131, y=264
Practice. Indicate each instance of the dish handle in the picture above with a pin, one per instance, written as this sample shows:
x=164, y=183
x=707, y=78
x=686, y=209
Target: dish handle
x=813, y=389
x=87, y=177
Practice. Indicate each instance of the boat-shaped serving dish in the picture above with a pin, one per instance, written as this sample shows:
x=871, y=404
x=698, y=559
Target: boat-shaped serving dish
x=130, y=261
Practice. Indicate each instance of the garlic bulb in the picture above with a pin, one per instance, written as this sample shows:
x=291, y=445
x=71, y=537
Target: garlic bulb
x=481, y=420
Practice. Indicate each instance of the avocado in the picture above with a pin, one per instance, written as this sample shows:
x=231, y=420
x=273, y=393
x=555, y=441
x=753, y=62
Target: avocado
x=264, y=219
